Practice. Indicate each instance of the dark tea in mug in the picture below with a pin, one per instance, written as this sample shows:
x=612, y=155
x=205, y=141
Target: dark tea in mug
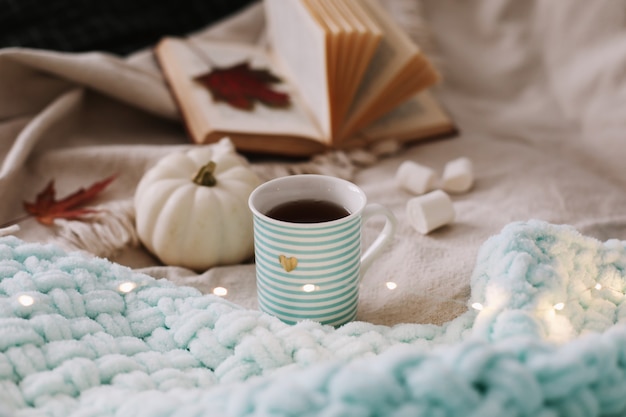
x=308, y=211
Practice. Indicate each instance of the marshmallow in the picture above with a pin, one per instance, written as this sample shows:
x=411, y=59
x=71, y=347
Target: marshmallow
x=458, y=176
x=430, y=211
x=415, y=178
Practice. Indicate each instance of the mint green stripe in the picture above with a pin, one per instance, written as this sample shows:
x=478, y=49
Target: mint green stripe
x=297, y=239
x=265, y=270
x=299, y=234
x=274, y=266
x=307, y=234
x=349, y=292
x=311, y=308
x=349, y=316
x=296, y=249
x=287, y=278
x=337, y=321
x=305, y=228
x=270, y=241
x=302, y=305
x=307, y=264
x=352, y=281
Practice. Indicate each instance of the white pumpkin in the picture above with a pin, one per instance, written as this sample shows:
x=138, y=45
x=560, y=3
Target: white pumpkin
x=192, y=210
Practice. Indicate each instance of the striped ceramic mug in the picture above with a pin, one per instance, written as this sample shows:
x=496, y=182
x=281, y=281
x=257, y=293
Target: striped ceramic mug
x=306, y=268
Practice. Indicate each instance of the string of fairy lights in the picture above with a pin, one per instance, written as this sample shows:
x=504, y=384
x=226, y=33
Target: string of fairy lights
x=27, y=300
x=559, y=306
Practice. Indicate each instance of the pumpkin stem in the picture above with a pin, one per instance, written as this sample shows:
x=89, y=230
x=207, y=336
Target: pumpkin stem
x=205, y=176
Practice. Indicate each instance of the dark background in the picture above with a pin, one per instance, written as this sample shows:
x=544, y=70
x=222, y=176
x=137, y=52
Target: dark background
x=116, y=26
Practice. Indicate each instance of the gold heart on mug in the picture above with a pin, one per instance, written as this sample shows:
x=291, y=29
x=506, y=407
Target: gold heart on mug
x=288, y=264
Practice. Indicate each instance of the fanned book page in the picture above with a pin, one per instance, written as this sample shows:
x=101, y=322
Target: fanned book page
x=387, y=71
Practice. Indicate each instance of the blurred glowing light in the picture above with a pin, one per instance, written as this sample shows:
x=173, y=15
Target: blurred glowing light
x=391, y=285
x=220, y=291
x=308, y=288
x=26, y=300
x=477, y=306
x=127, y=287
x=559, y=306
x=598, y=286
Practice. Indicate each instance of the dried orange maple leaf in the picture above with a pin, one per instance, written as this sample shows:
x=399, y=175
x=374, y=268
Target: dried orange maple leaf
x=240, y=86
x=46, y=208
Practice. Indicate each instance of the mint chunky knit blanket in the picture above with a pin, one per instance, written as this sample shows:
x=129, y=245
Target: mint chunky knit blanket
x=81, y=336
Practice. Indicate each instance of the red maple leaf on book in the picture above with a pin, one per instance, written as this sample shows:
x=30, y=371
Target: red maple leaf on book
x=240, y=86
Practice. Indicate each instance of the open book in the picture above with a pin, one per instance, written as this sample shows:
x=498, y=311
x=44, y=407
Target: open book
x=351, y=75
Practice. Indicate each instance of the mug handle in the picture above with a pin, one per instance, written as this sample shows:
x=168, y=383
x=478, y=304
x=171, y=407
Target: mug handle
x=383, y=238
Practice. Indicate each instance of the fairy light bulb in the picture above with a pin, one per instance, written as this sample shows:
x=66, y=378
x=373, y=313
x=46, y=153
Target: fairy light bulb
x=220, y=291
x=127, y=287
x=598, y=286
x=477, y=306
x=308, y=288
x=559, y=306
x=391, y=285
x=26, y=300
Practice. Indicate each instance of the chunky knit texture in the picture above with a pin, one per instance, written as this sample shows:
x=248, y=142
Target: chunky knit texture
x=82, y=336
